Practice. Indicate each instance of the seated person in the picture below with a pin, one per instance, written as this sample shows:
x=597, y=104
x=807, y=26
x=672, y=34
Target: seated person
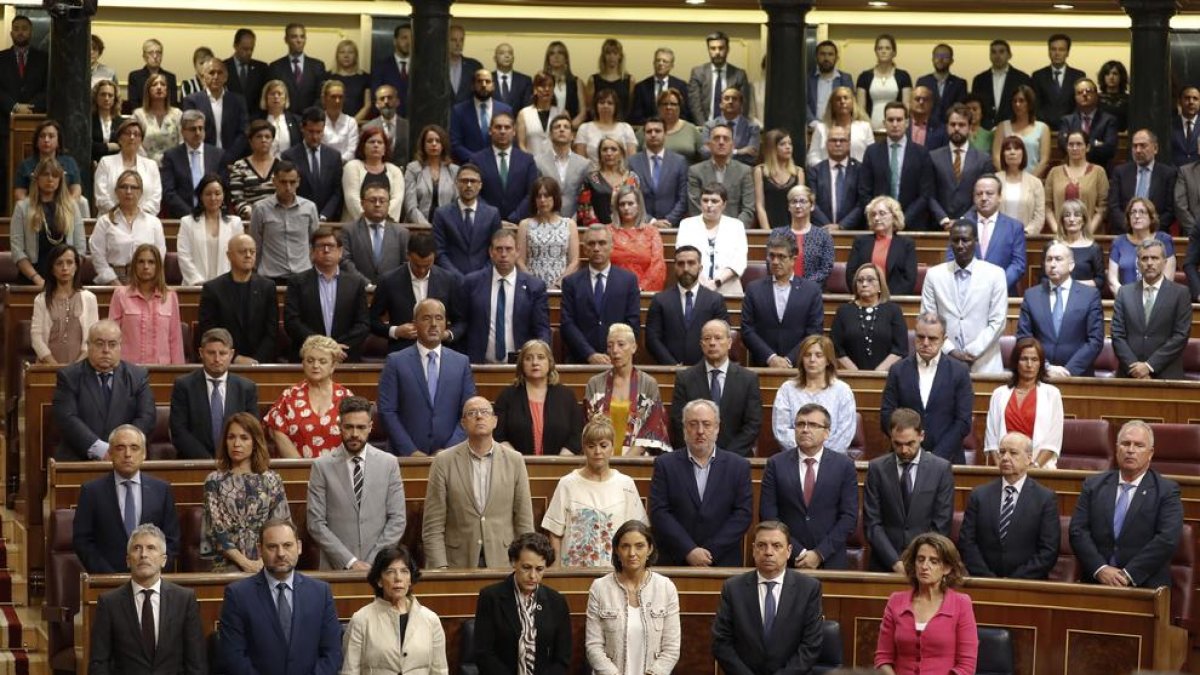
x=629, y=397
x=536, y=414
x=203, y=399
x=780, y=311
x=303, y=422
x=816, y=382
x=307, y=312
x=244, y=303
x=398, y=292
x=148, y=312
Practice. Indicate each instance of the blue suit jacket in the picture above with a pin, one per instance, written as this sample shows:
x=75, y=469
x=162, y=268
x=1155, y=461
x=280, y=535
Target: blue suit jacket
x=1006, y=249
x=385, y=71
x=252, y=641
x=175, y=173
x=459, y=252
x=530, y=311
x=413, y=421
x=234, y=120
x=843, y=79
x=947, y=417
x=325, y=190
x=850, y=211
x=762, y=331
x=520, y=89
x=1103, y=135
x=1184, y=150
x=682, y=520
x=1081, y=335
x=827, y=521
x=585, y=326
x=512, y=199
x=668, y=201
x=466, y=136
x=916, y=181
x=955, y=91
x=99, y=535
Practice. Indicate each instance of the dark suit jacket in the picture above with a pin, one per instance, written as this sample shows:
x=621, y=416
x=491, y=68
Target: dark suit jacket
x=359, y=250
x=901, y=272
x=520, y=89
x=413, y=421
x=459, y=251
x=1149, y=535
x=325, y=190
x=302, y=311
x=305, y=93
x=563, y=420
x=954, y=198
x=672, y=342
x=1103, y=135
x=466, y=136
x=466, y=80
x=99, y=535
x=117, y=635
x=1006, y=249
x=385, y=71
x=740, y=405
x=995, y=112
x=1081, y=335
x=511, y=198
x=498, y=630
x=528, y=304
x=256, y=78
x=234, y=119
x=683, y=521
x=762, y=331
x=175, y=172
x=1159, y=343
x=644, y=105
x=584, y=325
x=954, y=91
x=1053, y=101
x=137, y=84
x=947, y=418
x=252, y=641
x=394, y=298
x=795, y=640
x=30, y=89
x=850, y=211
x=935, y=133
x=842, y=79
x=191, y=417
x=916, y=181
x=888, y=526
x=1122, y=186
x=219, y=308
x=1184, y=149
x=1028, y=551
x=99, y=142
x=668, y=201
x=828, y=520
x=80, y=413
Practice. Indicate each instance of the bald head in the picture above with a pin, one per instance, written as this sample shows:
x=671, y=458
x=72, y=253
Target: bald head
x=1014, y=456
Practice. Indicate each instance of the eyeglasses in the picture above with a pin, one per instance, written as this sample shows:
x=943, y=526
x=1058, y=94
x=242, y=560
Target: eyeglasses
x=801, y=425
x=477, y=414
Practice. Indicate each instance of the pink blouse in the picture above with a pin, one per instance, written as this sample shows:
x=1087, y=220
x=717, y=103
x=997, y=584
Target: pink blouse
x=949, y=643
x=150, y=330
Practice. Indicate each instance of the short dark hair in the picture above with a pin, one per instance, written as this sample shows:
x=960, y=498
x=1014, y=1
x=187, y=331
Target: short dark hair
x=640, y=528
x=312, y=114
x=552, y=188
x=1004, y=43
x=943, y=45
x=717, y=35
x=536, y=542
x=372, y=183
x=258, y=126
x=827, y=43
x=905, y=418
x=772, y=526
x=422, y=244
x=285, y=166
x=397, y=29
x=354, y=404
x=715, y=189
x=473, y=168
x=896, y=105
x=323, y=232
x=810, y=408
x=384, y=560
x=278, y=522
x=243, y=33
x=688, y=248
x=959, y=109
x=1059, y=37
x=654, y=119
x=784, y=239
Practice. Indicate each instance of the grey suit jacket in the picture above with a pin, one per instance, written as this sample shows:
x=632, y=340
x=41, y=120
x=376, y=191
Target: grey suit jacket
x=344, y=529
x=117, y=637
x=455, y=528
x=1187, y=196
x=1161, y=340
x=418, y=191
x=359, y=255
x=577, y=170
x=739, y=184
x=700, y=89
x=400, y=151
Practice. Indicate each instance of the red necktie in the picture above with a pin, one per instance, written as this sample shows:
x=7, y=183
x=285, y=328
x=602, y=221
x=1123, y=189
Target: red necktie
x=810, y=479
x=21, y=64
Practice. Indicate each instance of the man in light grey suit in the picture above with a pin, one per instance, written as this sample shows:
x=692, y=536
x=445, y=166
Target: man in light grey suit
x=374, y=244
x=710, y=79
x=956, y=187
x=355, y=496
x=567, y=167
x=477, y=500
x=395, y=128
x=735, y=176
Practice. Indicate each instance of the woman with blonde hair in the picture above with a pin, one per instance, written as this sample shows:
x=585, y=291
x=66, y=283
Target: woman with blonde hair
x=355, y=82
x=893, y=255
x=148, y=312
x=568, y=89
x=341, y=130
x=304, y=420
x=629, y=397
x=636, y=244
x=774, y=177
x=47, y=217
x=274, y=102
x=869, y=332
x=598, y=187
x=1074, y=230
x=106, y=118
x=122, y=228
x=815, y=259
x=841, y=111
x=611, y=75
x=536, y=414
x=817, y=382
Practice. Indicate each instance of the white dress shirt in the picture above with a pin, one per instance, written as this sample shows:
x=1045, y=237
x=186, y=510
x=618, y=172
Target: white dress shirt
x=218, y=107
x=925, y=374
x=510, y=284
x=155, y=602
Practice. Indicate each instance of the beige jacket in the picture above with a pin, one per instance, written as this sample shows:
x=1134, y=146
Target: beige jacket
x=606, y=611
x=372, y=645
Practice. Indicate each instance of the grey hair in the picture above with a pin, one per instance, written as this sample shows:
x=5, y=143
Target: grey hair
x=930, y=318
x=1151, y=243
x=146, y=530
x=128, y=427
x=1058, y=243
x=1138, y=424
x=191, y=116
x=720, y=322
x=701, y=403
x=1025, y=441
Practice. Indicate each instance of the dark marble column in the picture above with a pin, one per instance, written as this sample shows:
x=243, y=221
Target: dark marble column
x=1151, y=105
x=787, y=68
x=429, y=93
x=68, y=96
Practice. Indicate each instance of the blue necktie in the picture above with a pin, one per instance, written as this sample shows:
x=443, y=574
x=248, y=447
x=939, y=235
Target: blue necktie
x=130, y=514
x=431, y=376
x=216, y=409
x=501, y=311
x=197, y=172
x=484, y=122
x=377, y=241
x=714, y=387
x=688, y=305
x=468, y=223
x=1056, y=314
x=769, y=609
x=1119, y=516
x=285, y=612
x=1143, y=182
x=838, y=184
x=598, y=294
x=657, y=166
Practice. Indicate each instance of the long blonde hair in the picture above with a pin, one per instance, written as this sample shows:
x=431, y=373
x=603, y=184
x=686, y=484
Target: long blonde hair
x=65, y=208
x=856, y=115
x=770, y=143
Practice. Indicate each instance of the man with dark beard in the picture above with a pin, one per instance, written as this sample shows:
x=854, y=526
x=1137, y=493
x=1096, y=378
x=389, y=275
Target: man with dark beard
x=956, y=167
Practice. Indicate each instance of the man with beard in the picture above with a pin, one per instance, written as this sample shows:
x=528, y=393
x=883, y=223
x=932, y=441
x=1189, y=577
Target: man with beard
x=23, y=79
x=395, y=127
x=956, y=168
x=950, y=88
x=924, y=129
x=823, y=80
x=462, y=68
x=392, y=70
x=1144, y=177
x=677, y=314
x=471, y=120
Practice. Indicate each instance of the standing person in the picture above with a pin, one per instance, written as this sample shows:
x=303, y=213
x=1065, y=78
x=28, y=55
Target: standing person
x=683, y=136
x=594, y=201
x=563, y=165
x=323, y=301
x=537, y=414
x=225, y=112
x=152, y=56
x=395, y=128
x=1077, y=180
x=184, y=165
x=375, y=244
x=1032, y=132
x=100, y=71
x=824, y=79
x=1150, y=343
x=568, y=89
x=1144, y=178
x=816, y=383
x=841, y=111
x=252, y=178
x=747, y=133
x=355, y=81
x=595, y=298
x=733, y=388
x=956, y=168
x=709, y=80
x=462, y=68
x=814, y=245
x=429, y=180
x=1064, y=315
x=159, y=118
x=319, y=165
x=883, y=83
x=533, y=121
x=774, y=178
x=834, y=182
x=200, y=58
x=995, y=86
x=48, y=144
x=274, y=105
x=663, y=175
x=1144, y=225
x=782, y=310
x=646, y=92
x=869, y=333
x=1054, y=84
x=301, y=73
x=611, y=75
x=106, y=118
x=884, y=244
x=1095, y=120
x=678, y=314
x=1029, y=405
x=372, y=166
x=391, y=70
x=637, y=244
x=247, y=74
x=148, y=312
x=203, y=399
x=463, y=228
x=63, y=312
x=110, y=168
x=1074, y=231
x=244, y=303
x=951, y=89
x=735, y=176
x=341, y=129
x=547, y=242
x=205, y=233
x=281, y=225
x=607, y=121
x=505, y=306
x=1114, y=92
x=629, y=397
x=47, y=218
x=507, y=171
x=897, y=168
x=299, y=435
x=471, y=120
x=399, y=291
x=1001, y=236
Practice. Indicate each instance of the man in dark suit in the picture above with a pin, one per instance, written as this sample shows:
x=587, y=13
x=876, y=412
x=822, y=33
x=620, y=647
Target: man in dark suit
x=923, y=128
x=307, y=312
x=301, y=73
x=700, y=523
x=319, y=166
x=96, y=395
x=1145, y=177
x=781, y=633
x=248, y=75
x=908, y=492
x=950, y=88
x=395, y=127
x=399, y=291
x=824, y=79
x=733, y=388
x=1010, y=528
x=462, y=68
x=374, y=244
x=835, y=182
x=663, y=175
x=23, y=73
x=902, y=170
x=1100, y=126
x=1128, y=521
x=1185, y=128
x=956, y=168
x=392, y=70
x=815, y=491
x=645, y=93
x=947, y=405
x=135, y=635
x=996, y=85
x=1072, y=334
x=677, y=314
x=513, y=88
x=780, y=311
x=205, y=398
x=463, y=229
x=747, y=134
x=112, y=506
x=243, y=303
x=279, y=622
x=229, y=132
x=595, y=298
x=152, y=55
x=505, y=307
x=423, y=388
x=1187, y=207
x=507, y=171
x=708, y=81
x=471, y=120
x=1054, y=85
x=184, y=165
x=1151, y=320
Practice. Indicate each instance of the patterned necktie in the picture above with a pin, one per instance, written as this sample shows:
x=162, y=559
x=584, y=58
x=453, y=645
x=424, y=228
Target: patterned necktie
x=216, y=411
x=958, y=153
x=431, y=375
x=769, y=608
x=894, y=166
x=714, y=387
x=1122, y=508
x=148, y=621
x=501, y=314
x=1006, y=510
x=810, y=479
x=130, y=513
x=1087, y=124
x=358, y=480
x=285, y=612
x=1056, y=314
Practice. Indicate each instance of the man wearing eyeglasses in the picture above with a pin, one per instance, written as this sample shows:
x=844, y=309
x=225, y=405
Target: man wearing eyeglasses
x=325, y=301
x=925, y=129
x=185, y=164
x=374, y=244
x=470, y=523
x=1099, y=125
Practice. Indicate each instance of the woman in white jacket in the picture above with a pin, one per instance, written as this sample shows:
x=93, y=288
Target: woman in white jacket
x=1027, y=404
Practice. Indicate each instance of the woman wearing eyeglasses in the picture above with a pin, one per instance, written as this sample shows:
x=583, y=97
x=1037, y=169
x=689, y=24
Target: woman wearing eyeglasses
x=814, y=260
